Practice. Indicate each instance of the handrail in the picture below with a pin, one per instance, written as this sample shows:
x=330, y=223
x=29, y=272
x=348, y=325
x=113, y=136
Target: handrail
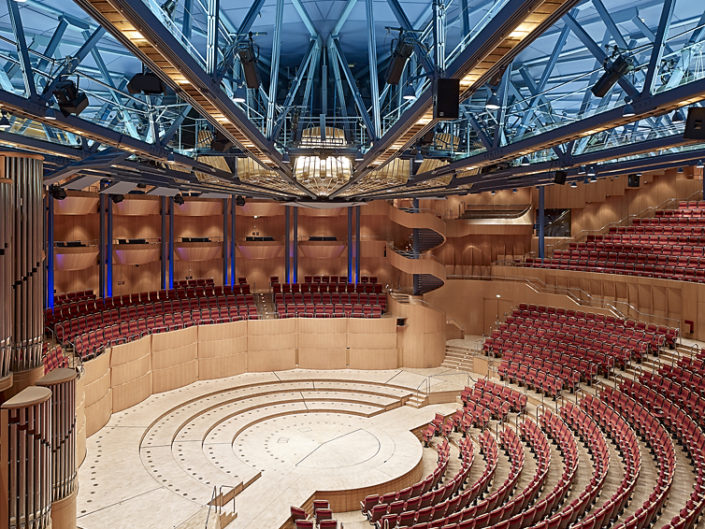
x=510, y=213
x=618, y=308
x=624, y=221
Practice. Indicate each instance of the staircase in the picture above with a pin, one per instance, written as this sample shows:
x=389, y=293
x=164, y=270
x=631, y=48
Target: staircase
x=265, y=306
x=400, y=297
x=427, y=232
x=458, y=357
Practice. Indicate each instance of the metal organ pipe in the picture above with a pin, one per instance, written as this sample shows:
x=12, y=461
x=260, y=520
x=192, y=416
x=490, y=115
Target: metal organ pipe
x=7, y=224
x=26, y=215
x=25, y=453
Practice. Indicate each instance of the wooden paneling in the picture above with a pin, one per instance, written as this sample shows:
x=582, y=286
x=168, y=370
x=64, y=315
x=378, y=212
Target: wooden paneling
x=130, y=373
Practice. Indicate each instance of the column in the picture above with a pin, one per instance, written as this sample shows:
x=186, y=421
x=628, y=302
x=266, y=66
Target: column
x=164, y=244
x=295, y=274
x=49, y=260
x=226, y=248
x=357, y=244
x=7, y=193
x=26, y=460
x=101, y=245
x=233, y=240
x=287, y=244
x=62, y=383
x=171, y=243
x=350, y=246
x=108, y=248
x=541, y=222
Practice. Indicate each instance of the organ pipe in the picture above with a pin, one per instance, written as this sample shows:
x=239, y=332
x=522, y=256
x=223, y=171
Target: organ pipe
x=26, y=460
x=7, y=193
x=62, y=383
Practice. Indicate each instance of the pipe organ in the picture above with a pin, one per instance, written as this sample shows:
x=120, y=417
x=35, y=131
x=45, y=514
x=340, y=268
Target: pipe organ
x=26, y=460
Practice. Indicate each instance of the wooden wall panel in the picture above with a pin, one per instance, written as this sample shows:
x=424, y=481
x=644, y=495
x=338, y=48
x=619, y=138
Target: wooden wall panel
x=322, y=343
x=173, y=377
x=130, y=373
x=222, y=350
x=271, y=344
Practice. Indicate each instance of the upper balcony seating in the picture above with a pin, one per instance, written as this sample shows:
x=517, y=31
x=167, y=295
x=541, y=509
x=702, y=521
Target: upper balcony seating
x=73, y=297
x=670, y=245
x=53, y=357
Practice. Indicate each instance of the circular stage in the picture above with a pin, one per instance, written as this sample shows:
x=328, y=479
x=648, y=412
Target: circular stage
x=267, y=442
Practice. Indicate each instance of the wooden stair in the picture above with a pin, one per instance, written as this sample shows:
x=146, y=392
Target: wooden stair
x=458, y=357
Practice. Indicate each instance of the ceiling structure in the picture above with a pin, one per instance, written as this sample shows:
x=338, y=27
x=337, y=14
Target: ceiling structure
x=321, y=122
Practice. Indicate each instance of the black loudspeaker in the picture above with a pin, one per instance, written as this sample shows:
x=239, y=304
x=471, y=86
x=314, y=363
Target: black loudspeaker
x=559, y=177
x=446, y=99
x=633, y=180
x=399, y=57
x=146, y=83
x=695, y=124
x=401, y=322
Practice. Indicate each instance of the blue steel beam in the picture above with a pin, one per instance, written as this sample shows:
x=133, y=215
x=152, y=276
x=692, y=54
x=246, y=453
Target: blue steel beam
x=22, y=50
x=274, y=69
x=305, y=18
x=403, y=21
x=657, y=51
x=374, y=79
x=343, y=17
x=213, y=25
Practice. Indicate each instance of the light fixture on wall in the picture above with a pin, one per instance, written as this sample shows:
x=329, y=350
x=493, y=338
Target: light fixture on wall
x=179, y=199
x=574, y=184
x=628, y=110
x=493, y=102
x=408, y=93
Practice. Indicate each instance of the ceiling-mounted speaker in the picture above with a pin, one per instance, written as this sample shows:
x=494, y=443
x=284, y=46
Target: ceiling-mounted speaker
x=71, y=100
x=559, y=177
x=239, y=200
x=446, y=99
x=145, y=83
x=695, y=124
x=220, y=142
x=248, y=60
x=633, y=180
x=398, y=60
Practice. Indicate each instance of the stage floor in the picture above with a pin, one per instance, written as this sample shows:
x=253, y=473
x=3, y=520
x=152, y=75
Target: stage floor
x=275, y=437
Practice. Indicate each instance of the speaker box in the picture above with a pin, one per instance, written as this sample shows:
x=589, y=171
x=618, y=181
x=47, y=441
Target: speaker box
x=559, y=177
x=695, y=124
x=146, y=83
x=633, y=180
x=446, y=99
x=401, y=322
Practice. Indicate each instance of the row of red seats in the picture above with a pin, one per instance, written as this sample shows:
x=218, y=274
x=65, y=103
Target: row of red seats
x=418, y=496
x=530, y=376
x=322, y=516
x=680, y=394
x=200, y=282
x=329, y=311
x=691, y=437
x=496, y=398
x=274, y=280
x=331, y=299
x=58, y=314
x=293, y=288
x=611, y=249
x=549, y=361
x=661, y=445
x=435, y=515
x=53, y=358
x=628, y=444
x=73, y=297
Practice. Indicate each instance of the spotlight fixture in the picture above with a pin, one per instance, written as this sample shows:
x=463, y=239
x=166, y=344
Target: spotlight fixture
x=240, y=94
x=49, y=114
x=56, y=192
x=614, y=71
x=593, y=178
x=582, y=170
x=700, y=164
x=239, y=200
x=285, y=157
x=493, y=102
x=169, y=7
x=493, y=192
x=248, y=60
x=525, y=161
x=145, y=83
x=71, y=100
x=514, y=190
x=680, y=170
x=358, y=155
x=419, y=157
x=179, y=199
x=408, y=93
x=591, y=170
x=574, y=184
x=117, y=198
x=628, y=110
x=4, y=122
x=170, y=158
x=400, y=55
x=678, y=116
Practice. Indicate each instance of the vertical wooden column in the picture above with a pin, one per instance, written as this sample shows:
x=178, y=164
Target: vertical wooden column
x=26, y=214
x=25, y=460
x=62, y=383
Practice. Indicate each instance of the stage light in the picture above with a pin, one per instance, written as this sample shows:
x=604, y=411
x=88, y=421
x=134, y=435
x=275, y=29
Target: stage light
x=525, y=161
x=56, y=192
x=419, y=157
x=680, y=170
x=117, y=198
x=582, y=170
x=400, y=55
x=49, y=114
x=514, y=190
x=493, y=102
x=408, y=93
x=4, y=122
x=170, y=158
x=493, y=192
x=169, y=7
x=628, y=110
x=285, y=157
x=145, y=83
x=700, y=164
x=239, y=200
x=358, y=156
x=678, y=116
x=591, y=170
x=594, y=178
x=71, y=100
x=248, y=60
x=574, y=184
x=614, y=71
x=179, y=199
x=240, y=94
